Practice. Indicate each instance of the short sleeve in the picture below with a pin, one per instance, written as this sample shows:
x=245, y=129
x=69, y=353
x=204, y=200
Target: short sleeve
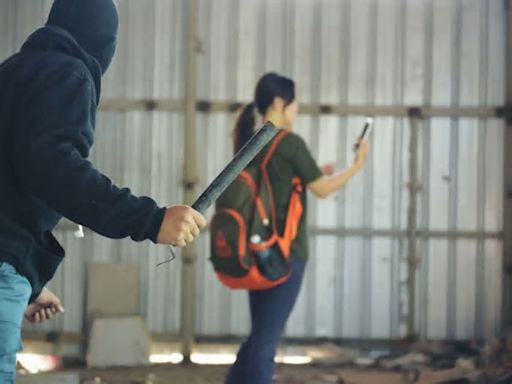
x=303, y=164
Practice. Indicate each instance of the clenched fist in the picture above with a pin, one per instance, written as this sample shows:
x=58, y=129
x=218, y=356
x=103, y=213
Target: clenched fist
x=180, y=226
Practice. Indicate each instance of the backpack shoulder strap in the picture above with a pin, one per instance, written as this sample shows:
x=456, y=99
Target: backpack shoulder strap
x=280, y=136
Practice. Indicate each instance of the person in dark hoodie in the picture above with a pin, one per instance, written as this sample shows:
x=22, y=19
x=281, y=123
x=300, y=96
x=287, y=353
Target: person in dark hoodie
x=50, y=94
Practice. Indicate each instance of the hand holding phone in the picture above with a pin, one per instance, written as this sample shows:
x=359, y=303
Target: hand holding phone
x=362, y=147
x=365, y=132
x=362, y=153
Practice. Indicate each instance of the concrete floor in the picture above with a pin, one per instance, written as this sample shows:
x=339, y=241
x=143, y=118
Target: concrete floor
x=332, y=364
x=285, y=374
x=177, y=374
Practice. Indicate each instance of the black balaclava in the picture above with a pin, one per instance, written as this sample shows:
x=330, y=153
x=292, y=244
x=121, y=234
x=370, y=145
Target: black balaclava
x=93, y=23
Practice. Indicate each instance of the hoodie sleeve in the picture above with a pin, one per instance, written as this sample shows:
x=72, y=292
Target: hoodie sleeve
x=52, y=139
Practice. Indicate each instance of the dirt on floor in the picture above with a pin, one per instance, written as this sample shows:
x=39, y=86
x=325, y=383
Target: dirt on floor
x=178, y=374
x=422, y=363
x=285, y=374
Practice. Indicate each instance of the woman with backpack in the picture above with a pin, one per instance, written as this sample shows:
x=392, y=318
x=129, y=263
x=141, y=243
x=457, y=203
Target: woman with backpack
x=291, y=160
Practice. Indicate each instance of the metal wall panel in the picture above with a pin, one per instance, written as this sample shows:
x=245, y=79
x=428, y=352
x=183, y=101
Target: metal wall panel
x=150, y=57
x=384, y=52
x=462, y=191
x=150, y=53
x=389, y=52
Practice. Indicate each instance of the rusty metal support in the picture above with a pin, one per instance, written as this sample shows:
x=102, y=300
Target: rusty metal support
x=507, y=178
x=205, y=106
x=412, y=222
x=188, y=274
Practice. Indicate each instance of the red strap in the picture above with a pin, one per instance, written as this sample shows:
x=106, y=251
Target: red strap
x=247, y=178
x=294, y=214
x=266, y=179
x=280, y=136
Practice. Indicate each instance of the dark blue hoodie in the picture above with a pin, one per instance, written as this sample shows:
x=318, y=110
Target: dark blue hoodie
x=50, y=93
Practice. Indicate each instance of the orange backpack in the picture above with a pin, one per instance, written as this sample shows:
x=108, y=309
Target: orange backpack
x=247, y=250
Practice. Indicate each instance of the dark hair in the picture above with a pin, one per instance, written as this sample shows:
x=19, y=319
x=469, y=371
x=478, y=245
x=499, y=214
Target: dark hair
x=270, y=86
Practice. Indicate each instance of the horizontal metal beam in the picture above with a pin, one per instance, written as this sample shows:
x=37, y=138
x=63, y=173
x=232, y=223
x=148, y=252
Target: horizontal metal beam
x=366, y=232
x=312, y=109
x=142, y=105
x=77, y=339
x=67, y=226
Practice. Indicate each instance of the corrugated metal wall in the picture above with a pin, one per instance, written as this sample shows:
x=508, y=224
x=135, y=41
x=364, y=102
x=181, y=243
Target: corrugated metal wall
x=371, y=52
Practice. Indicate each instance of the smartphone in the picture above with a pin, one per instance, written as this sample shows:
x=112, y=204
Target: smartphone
x=366, y=131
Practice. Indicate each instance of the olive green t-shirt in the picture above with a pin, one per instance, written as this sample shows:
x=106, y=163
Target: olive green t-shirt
x=292, y=158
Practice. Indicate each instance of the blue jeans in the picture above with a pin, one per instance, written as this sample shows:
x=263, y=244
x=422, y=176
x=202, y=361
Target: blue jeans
x=15, y=291
x=270, y=310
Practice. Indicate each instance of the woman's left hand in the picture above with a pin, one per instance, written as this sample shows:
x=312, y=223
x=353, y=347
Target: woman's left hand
x=328, y=169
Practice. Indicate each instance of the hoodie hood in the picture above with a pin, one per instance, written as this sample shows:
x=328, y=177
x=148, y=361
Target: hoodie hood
x=93, y=23
x=54, y=39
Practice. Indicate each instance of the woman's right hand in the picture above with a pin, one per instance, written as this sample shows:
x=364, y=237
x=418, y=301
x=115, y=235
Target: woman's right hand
x=181, y=225
x=363, y=148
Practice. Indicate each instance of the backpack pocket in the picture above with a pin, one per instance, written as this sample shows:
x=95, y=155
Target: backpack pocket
x=270, y=260
x=229, y=252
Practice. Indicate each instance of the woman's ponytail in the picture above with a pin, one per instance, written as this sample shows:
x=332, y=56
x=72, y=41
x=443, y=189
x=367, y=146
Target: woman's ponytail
x=244, y=127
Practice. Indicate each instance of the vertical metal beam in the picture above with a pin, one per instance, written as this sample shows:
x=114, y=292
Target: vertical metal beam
x=400, y=282
x=481, y=324
x=507, y=198
x=344, y=47
x=315, y=66
x=453, y=193
x=369, y=190
x=412, y=222
x=424, y=244
x=188, y=274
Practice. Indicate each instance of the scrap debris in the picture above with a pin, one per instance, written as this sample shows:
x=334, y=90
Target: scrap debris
x=424, y=363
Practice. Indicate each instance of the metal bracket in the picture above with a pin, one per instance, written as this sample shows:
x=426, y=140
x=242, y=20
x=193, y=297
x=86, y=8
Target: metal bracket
x=415, y=112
